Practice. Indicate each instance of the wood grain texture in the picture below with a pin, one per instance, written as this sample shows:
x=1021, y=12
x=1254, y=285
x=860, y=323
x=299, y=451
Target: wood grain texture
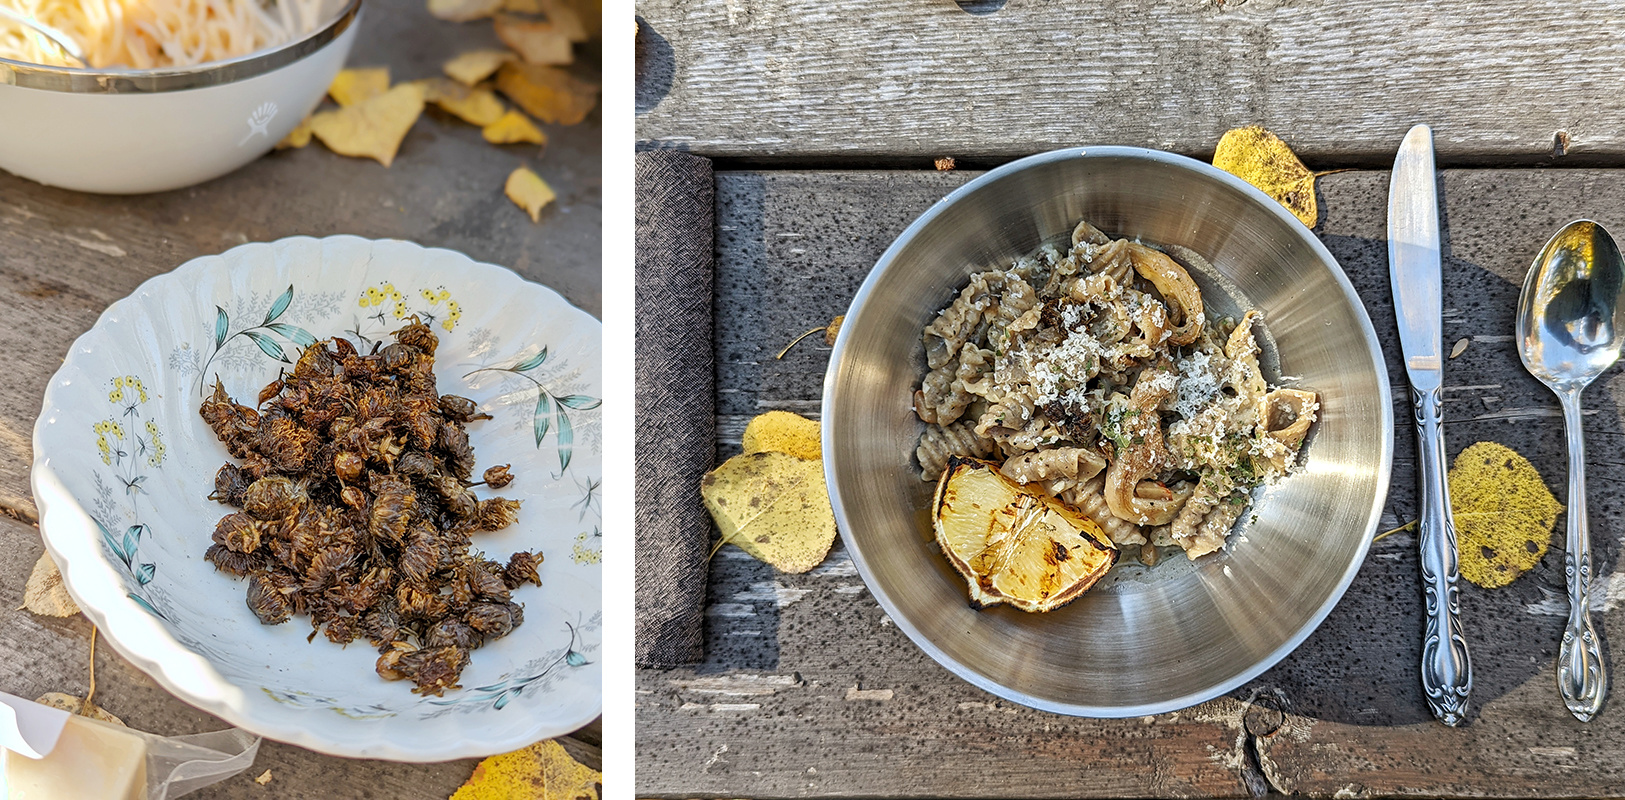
x=1342, y=82
x=809, y=690
x=65, y=256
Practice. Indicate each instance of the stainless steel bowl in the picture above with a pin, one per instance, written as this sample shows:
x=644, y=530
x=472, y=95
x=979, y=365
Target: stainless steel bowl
x=1143, y=641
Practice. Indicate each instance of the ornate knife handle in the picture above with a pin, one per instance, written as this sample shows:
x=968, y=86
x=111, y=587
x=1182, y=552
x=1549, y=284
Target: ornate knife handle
x=1447, y=673
x=1580, y=675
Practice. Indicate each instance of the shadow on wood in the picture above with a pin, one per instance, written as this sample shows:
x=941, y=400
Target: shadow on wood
x=655, y=67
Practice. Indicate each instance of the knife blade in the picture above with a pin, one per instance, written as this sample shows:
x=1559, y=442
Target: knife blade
x=1416, y=279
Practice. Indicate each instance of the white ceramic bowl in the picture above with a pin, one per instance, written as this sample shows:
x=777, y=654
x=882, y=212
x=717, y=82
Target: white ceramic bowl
x=128, y=525
x=138, y=131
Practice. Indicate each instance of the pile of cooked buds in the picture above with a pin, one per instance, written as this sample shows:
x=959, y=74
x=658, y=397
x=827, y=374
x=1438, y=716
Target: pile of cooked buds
x=354, y=490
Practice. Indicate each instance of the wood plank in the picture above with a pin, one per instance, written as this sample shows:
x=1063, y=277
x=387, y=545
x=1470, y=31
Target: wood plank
x=907, y=82
x=65, y=256
x=809, y=690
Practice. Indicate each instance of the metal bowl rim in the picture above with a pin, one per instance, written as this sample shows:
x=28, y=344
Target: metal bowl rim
x=1384, y=472
x=77, y=80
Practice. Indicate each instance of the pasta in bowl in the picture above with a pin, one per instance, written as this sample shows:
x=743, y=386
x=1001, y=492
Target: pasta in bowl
x=1143, y=639
x=1095, y=376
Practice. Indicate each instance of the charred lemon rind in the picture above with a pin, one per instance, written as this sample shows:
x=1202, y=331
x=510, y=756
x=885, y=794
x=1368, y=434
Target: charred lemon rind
x=1012, y=545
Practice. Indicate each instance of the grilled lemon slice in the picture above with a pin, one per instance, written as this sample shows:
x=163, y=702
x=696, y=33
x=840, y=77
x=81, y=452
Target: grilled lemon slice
x=1014, y=546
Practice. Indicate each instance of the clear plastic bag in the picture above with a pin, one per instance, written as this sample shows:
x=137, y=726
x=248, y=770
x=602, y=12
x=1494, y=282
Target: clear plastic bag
x=46, y=750
x=180, y=765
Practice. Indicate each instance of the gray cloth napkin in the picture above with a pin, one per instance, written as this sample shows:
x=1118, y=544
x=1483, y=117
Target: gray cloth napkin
x=676, y=404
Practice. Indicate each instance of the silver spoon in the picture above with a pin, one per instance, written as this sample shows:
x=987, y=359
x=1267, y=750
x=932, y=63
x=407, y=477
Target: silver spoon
x=1571, y=324
x=63, y=42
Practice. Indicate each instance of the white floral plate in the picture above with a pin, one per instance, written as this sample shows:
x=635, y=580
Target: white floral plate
x=123, y=465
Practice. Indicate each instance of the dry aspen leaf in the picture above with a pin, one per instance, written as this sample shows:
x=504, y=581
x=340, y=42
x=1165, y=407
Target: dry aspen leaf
x=528, y=191
x=783, y=432
x=591, y=13
x=547, y=93
x=945, y=163
x=44, y=592
x=264, y=778
x=1260, y=158
x=373, y=128
x=1461, y=347
x=1503, y=511
x=296, y=138
x=464, y=10
x=564, y=17
x=352, y=86
x=536, y=42
x=773, y=506
x=474, y=106
x=472, y=67
x=513, y=128
x=542, y=771
x=77, y=705
x=833, y=330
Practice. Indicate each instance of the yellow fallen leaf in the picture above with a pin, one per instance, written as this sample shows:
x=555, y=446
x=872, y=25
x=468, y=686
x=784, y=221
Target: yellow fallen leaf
x=559, y=12
x=1504, y=514
x=1263, y=160
x=475, y=106
x=352, y=86
x=535, y=41
x=296, y=138
x=830, y=331
x=773, y=506
x=528, y=191
x=833, y=329
x=373, y=128
x=513, y=128
x=547, y=93
x=77, y=705
x=464, y=10
x=783, y=432
x=472, y=67
x=592, y=15
x=44, y=592
x=542, y=771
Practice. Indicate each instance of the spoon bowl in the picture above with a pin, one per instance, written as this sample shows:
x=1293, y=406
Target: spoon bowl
x=1570, y=329
x=1571, y=318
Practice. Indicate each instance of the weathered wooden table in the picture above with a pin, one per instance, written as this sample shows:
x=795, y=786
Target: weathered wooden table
x=807, y=688
x=65, y=256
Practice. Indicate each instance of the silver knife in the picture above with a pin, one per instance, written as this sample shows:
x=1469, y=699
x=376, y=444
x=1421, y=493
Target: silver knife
x=1414, y=272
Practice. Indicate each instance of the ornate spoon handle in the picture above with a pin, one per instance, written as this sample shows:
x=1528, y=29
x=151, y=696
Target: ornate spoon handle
x=1580, y=673
x=1447, y=673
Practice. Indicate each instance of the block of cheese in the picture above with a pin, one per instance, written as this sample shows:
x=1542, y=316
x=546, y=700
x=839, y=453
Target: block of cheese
x=92, y=759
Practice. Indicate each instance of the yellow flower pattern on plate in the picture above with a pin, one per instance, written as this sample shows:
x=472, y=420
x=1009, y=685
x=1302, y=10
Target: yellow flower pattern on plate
x=386, y=296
